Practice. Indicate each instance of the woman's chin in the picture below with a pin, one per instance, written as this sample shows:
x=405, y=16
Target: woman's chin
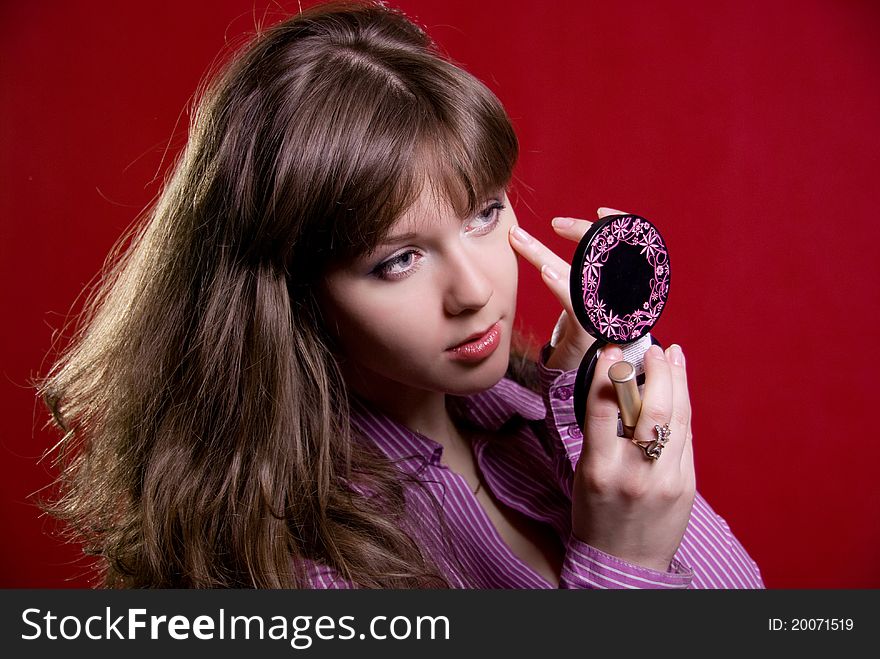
x=476, y=377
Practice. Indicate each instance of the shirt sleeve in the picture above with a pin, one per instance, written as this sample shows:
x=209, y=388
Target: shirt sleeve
x=709, y=555
x=560, y=423
x=320, y=576
x=585, y=566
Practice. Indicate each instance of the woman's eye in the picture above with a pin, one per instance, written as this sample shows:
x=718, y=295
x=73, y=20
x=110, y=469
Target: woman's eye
x=397, y=267
x=406, y=263
x=486, y=219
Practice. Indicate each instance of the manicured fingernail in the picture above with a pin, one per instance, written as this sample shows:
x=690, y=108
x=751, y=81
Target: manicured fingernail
x=656, y=353
x=676, y=355
x=604, y=210
x=521, y=235
x=562, y=222
x=612, y=353
x=549, y=272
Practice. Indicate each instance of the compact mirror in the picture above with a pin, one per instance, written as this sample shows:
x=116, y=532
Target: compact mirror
x=619, y=287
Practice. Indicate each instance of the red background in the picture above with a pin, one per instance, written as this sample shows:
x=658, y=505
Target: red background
x=746, y=131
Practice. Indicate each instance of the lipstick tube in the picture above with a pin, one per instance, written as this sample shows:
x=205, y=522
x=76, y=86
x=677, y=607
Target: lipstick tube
x=623, y=377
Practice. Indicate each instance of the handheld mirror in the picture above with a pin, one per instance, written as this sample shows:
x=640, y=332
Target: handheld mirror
x=619, y=287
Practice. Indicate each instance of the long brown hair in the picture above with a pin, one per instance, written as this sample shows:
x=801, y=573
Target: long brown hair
x=207, y=439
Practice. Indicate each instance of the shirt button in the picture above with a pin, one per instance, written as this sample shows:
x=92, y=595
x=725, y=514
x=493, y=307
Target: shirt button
x=575, y=432
x=562, y=393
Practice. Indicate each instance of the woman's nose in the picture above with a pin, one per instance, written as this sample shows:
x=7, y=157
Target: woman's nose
x=467, y=284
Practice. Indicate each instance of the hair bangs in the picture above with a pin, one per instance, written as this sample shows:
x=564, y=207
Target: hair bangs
x=463, y=153
x=467, y=148
x=463, y=169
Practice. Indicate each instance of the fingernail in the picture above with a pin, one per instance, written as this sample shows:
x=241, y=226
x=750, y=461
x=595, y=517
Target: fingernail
x=521, y=235
x=562, y=222
x=656, y=353
x=676, y=355
x=549, y=272
x=612, y=353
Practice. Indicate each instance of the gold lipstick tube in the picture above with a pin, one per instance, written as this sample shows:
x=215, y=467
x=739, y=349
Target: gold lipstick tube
x=623, y=376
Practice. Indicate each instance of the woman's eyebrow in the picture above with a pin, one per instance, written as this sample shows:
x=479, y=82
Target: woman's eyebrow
x=390, y=241
x=399, y=238
x=410, y=235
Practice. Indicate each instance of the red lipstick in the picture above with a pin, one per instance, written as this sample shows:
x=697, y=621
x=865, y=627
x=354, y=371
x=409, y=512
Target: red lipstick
x=478, y=348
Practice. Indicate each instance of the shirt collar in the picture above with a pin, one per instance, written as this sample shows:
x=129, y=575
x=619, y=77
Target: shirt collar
x=489, y=410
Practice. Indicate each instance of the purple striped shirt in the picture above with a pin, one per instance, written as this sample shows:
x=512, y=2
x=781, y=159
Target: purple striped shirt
x=531, y=471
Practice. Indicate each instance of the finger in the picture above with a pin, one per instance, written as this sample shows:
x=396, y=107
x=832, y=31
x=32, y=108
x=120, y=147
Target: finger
x=570, y=227
x=657, y=402
x=681, y=402
x=604, y=211
x=600, y=417
x=680, y=423
x=554, y=270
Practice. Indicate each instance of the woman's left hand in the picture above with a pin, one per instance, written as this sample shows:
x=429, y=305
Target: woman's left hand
x=570, y=341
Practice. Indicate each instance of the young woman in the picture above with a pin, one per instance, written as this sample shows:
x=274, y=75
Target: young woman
x=303, y=372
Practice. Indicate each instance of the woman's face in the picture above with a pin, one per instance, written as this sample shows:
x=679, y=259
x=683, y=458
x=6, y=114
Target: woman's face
x=439, y=280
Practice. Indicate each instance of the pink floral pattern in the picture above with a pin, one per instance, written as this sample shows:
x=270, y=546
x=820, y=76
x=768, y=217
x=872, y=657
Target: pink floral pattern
x=639, y=233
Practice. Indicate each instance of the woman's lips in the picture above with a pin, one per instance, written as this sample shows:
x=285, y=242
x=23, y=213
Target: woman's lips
x=479, y=348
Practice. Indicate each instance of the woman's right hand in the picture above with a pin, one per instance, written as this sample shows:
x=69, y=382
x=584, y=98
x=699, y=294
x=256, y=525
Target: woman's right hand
x=624, y=503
